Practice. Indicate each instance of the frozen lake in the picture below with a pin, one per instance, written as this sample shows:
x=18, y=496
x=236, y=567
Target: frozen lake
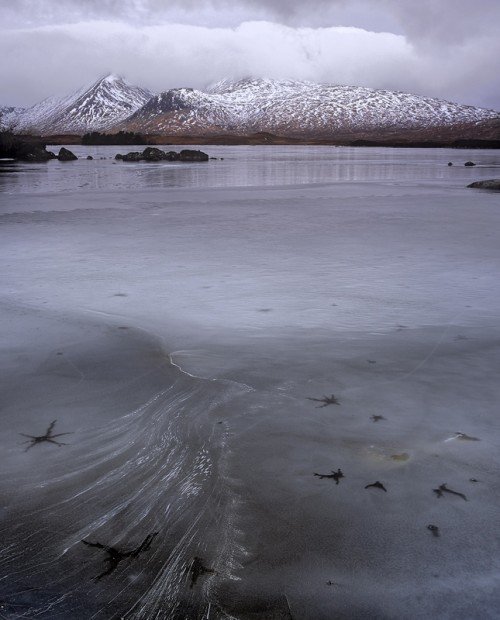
x=177, y=318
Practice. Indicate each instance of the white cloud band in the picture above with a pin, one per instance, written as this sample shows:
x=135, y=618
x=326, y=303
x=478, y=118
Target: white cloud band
x=45, y=60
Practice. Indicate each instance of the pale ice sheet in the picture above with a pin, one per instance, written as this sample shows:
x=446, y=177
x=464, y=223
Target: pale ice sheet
x=370, y=274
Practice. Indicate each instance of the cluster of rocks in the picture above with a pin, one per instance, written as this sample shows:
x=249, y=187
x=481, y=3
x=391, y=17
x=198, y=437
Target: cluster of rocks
x=154, y=154
x=485, y=184
x=36, y=153
x=32, y=149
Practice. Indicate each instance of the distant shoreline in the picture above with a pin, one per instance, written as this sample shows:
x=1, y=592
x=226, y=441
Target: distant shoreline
x=262, y=139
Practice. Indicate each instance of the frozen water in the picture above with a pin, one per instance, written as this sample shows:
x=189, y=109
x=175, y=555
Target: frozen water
x=177, y=317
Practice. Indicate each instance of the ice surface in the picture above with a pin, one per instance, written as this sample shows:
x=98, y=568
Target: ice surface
x=176, y=319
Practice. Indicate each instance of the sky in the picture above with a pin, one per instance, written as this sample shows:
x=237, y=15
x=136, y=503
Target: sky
x=448, y=49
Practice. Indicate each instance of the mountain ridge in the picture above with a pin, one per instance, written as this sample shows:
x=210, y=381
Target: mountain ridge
x=289, y=109
x=296, y=108
x=102, y=105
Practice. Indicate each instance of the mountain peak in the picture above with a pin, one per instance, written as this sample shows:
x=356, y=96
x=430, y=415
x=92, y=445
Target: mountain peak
x=112, y=77
x=110, y=80
x=108, y=101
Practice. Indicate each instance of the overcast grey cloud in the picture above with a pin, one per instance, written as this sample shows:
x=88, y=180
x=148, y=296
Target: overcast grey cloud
x=442, y=48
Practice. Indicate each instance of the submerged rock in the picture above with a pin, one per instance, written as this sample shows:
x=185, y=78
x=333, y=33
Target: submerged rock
x=66, y=155
x=404, y=456
x=469, y=163
x=487, y=184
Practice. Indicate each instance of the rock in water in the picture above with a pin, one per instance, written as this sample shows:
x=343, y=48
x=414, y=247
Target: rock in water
x=171, y=156
x=133, y=156
x=487, y=184
x=35, y=154
x=469, y=163
x=188, y=155
x=24, y=148
x=153, y=154
x=66, y=155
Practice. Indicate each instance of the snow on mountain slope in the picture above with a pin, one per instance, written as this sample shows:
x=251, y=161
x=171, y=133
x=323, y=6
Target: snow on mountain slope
x=281, y=107
x=107, y=102
x=288, y=107
x=9, y=116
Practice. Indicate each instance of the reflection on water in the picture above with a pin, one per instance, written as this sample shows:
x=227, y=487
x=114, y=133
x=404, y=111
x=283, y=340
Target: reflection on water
x=247, y=166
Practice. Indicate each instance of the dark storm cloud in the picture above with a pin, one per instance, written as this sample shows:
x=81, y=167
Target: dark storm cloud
x=366, y=14
x=446, y=22
x=443, y=20
x=442, y=48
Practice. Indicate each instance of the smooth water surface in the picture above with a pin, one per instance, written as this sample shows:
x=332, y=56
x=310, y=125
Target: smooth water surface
x=244, y=166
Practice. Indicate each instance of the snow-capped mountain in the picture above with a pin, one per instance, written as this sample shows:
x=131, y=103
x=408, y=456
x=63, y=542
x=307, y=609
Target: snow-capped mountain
x=293, y=108
x=9, y=116
x=286, y=108
x=107, y=102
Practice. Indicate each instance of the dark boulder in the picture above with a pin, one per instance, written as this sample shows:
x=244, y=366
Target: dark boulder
x=189, y=155
x=89, y=157
x=25, y=148
x=66, y=155
x=118, y=156
x=35, y=154
x=133, y=156
x=153, y=154
x=487, y=184
x=469, y=163
x=450, y=163
x=171, y=156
